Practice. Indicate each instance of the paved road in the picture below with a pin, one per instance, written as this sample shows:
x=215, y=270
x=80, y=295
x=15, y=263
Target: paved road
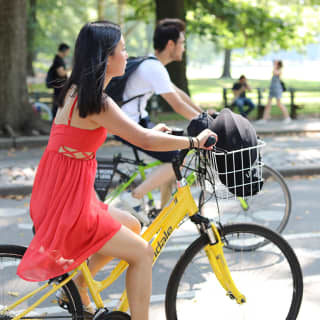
x=302, y=232
x=18, y=167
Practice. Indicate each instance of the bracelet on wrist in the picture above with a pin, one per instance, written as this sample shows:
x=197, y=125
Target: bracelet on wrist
x=198, y=142
x=191, y=144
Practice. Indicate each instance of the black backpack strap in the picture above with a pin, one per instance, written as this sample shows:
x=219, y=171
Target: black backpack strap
x=142, y=94
x=135, y=97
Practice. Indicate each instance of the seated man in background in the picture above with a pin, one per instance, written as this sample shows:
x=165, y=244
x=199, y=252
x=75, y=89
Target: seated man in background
x=240, y=100
x=151, y=77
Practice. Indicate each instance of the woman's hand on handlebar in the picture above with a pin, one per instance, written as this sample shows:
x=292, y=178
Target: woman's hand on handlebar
x=203, y=136
x=161, y=127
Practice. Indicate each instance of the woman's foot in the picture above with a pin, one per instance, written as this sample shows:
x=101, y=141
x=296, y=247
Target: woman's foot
x=64, y=302
x=286, y=120
x=261, y=121
x=84, y=294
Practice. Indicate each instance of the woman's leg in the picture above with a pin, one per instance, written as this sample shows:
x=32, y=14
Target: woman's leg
x=266, y=114
x=128, y=246
x=97, y=260
x=283, y=109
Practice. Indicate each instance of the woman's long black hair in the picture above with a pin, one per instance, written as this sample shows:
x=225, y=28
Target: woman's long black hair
x=96, y=41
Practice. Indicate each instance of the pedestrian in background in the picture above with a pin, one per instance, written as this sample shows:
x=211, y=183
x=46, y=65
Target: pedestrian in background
x=57, y=75
x=275, y=91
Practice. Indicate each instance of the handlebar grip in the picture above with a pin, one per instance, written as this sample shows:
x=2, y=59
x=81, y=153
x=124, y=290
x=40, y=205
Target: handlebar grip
x=210, y=142
x=177, y=132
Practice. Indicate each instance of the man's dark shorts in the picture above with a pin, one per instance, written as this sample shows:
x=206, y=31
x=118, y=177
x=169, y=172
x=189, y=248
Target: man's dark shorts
x=166, y=156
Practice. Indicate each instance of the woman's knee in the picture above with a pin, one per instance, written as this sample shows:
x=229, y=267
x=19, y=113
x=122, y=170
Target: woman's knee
x=126, y=219
x=144, y=256
x=150, y=253
x=133, y=223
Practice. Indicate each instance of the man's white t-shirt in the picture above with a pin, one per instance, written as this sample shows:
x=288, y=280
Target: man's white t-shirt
x=151, y=77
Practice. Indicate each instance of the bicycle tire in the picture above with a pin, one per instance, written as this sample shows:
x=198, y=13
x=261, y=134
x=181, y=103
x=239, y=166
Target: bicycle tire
x=13, y=288
x=193, y=289
x=271, y=207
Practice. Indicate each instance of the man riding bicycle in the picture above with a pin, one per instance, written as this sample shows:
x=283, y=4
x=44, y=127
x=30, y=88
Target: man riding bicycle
x=151, y=77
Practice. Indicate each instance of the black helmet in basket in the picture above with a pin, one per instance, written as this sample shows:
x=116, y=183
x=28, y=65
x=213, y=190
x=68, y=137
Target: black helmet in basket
x=235, y=154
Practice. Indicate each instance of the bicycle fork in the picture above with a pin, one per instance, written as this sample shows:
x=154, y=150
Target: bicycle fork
x=217, y=260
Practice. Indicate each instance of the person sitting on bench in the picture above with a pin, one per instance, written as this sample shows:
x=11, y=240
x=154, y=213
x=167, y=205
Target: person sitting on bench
x=240, y=100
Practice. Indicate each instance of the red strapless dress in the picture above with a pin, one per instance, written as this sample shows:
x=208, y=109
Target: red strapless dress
x=70, y=222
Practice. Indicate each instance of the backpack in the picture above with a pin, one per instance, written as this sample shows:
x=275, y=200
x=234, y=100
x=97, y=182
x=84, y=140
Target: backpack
x=234, y=132
x=117, y=85
x=50, y=78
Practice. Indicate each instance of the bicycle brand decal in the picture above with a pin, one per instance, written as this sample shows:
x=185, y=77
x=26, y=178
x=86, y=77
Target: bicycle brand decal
x=162, y=242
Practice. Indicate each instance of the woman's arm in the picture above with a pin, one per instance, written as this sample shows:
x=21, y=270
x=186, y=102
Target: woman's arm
x=116, y=122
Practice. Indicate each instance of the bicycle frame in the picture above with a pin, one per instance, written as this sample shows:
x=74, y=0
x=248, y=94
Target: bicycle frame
x=123, y=186
x=141, y=169
x=160, y=231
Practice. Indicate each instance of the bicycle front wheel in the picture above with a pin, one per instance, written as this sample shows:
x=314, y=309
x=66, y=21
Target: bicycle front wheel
x=271, y=207
x=270, y=278
x=14, y=288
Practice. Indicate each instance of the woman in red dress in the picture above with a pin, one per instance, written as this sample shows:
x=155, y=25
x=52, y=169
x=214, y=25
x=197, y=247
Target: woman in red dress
x=71, y=224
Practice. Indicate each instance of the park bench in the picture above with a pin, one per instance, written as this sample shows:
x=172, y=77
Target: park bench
x=43, y=97
x=42, y=102
x=292, y=92
x=228, y=91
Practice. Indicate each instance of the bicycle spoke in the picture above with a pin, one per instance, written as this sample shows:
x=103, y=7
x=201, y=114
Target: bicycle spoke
x=14, y=288
x=269, y=278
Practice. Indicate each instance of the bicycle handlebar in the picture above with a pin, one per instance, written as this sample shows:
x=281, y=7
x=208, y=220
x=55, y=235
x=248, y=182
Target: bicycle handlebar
x=178, y=160
x=210, y=142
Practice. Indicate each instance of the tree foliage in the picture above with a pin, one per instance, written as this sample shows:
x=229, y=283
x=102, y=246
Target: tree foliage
x=257, y=26
x=59, y=21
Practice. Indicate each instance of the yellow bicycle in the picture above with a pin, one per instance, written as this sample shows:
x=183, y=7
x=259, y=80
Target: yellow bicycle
x=213, y=278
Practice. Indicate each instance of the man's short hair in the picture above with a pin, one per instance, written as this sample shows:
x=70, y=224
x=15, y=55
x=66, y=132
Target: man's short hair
x=242, y=77
x=167, y=29
x=63, y=47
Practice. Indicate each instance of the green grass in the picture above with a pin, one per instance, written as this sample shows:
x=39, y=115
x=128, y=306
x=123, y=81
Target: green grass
x=41, y=87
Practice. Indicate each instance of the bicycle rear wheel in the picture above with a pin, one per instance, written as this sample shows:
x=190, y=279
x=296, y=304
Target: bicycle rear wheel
x=14, y=288
x=271, y=207
x=270, y=278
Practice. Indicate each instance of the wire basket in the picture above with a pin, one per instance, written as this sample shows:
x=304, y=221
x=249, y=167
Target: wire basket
x=230, y=174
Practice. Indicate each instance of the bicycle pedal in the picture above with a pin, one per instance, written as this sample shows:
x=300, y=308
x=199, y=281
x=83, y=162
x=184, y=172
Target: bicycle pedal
x=153, y=213
x=104, y=314
x=63, y=304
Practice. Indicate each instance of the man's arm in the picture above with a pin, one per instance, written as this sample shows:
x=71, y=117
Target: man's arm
x=180, y=106
x=62, y=72
x=186, y=98
x=237, y=92
x=248, y=88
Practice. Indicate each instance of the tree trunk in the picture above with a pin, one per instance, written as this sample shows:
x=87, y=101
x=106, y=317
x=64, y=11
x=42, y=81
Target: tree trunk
x=177, y=70
x=15, y=110
x=31, y=27
x=101, y=9
x=120, y=9
x=227, y=64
